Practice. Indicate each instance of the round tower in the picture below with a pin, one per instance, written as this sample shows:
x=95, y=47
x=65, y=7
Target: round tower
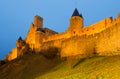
x=76, y=20
x=20, y=42
x=19, y=45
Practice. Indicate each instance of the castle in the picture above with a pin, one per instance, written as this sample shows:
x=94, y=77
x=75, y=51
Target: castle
x=101, y=38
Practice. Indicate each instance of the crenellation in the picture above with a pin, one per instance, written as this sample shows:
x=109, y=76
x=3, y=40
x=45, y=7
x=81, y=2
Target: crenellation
x=99, y=38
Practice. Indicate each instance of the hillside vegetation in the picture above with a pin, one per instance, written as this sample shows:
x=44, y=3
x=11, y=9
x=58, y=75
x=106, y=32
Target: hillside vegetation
x=38, y=66
x=92, y=68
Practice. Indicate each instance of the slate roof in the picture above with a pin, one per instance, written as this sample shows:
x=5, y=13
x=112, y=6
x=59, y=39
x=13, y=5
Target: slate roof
x=76, y=13
x=20, y=38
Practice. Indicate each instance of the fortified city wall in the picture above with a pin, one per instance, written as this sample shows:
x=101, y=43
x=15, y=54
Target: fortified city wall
x=101, y=38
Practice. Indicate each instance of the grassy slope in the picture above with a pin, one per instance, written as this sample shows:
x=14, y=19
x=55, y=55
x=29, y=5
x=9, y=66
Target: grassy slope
x=39, y=67
x=92, y=68
x=27, y=67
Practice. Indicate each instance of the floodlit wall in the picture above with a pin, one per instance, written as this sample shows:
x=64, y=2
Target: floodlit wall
x=101, y=38
x=105, y=43
x=87, y=30
x=108, y=42
x=12, y=55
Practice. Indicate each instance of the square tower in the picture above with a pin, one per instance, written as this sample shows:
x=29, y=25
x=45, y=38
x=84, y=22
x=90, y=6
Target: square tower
x=38, y=21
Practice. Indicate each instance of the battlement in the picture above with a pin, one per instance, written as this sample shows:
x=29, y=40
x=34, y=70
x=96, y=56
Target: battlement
x=76, y=40
x=87, y=30
x=62, y=35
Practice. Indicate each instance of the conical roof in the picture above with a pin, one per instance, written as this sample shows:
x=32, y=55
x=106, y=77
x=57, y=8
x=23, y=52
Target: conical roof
x=20, y=38
x=76, y=13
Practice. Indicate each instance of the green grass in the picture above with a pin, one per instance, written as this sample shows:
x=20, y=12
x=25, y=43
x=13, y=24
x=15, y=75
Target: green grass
x=39, y=67
x=92, y=68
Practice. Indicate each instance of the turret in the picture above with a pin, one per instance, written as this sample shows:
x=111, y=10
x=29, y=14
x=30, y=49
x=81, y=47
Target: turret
x=76, y=20
x=38, y=21
x=20, y=42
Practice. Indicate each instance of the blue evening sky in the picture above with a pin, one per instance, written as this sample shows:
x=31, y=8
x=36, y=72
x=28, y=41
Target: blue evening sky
x=17, y=15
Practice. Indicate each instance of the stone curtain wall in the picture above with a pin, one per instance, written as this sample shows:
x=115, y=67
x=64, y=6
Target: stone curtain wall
x=108, y=42
x=101, y=38
x=83, y=46
x=88, y=30
x=105, y=43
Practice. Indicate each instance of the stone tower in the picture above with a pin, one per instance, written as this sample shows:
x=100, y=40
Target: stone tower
x=39, y=34
x=19, y=44
x=76, y=20
x=38, y=21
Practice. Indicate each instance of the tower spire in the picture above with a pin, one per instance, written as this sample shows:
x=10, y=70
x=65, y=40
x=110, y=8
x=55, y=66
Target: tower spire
x=20, y=38
x=76, y=13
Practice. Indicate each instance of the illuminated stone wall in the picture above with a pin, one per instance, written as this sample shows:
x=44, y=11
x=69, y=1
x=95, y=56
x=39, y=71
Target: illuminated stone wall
x=101, y=38
x=30, y=38
x=108, y=42
x=105, y=43
x=88, y=30
x=12, y=55
x=38, y=21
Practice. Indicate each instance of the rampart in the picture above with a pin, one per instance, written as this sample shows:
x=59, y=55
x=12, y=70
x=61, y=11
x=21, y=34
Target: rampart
x=87, y=30
x=101, y=38
x=105, y=43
